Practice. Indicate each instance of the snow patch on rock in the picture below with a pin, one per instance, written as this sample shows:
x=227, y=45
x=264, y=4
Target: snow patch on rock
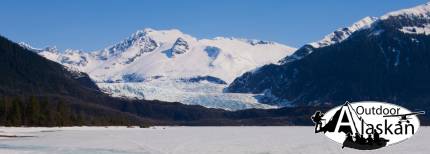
x=343, y=33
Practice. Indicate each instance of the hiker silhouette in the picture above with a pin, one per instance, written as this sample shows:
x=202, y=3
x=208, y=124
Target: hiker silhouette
x=317, y=118
x=330, y=126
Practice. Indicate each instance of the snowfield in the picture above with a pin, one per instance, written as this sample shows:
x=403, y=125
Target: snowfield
x=187, y=140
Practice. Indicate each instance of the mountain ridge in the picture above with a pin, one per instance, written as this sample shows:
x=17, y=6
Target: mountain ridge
x=147, y=40
x=380, y=63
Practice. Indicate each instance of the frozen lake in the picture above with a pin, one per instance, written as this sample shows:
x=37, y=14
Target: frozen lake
x=187, y=140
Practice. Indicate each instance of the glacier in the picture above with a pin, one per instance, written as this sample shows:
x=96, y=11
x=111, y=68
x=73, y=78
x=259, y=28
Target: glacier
x=204, y=93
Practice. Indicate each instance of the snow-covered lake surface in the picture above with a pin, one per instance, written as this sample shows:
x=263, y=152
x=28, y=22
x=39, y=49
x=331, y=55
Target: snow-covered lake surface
x=186, y=140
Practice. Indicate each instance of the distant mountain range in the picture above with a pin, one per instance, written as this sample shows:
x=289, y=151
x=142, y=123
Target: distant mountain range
x=383, y=58
x=172, y=66
x=35, y=91
x=150, y=54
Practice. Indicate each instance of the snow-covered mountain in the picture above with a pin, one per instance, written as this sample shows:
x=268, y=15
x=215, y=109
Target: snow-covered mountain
x=378, y=58
x=418, y=12
x=415, y=20
x=172, y=58
x=170, y=53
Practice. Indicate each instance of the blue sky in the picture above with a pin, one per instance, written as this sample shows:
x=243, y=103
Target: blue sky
x=95, y=24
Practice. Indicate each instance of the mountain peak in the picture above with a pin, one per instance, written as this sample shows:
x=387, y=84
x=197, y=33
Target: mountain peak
x=141, y=33
x=50, y=49
x=181, y=46
x=53, y=49
x=366, y=22
x=343, y=33
x=27, y=46
x=420, y=11
x=150, y=31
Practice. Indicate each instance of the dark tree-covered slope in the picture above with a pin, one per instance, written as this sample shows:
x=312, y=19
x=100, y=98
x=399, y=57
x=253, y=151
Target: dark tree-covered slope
x=380, y=63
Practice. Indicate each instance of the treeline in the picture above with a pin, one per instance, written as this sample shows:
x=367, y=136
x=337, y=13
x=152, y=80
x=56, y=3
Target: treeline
x=35, y=111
